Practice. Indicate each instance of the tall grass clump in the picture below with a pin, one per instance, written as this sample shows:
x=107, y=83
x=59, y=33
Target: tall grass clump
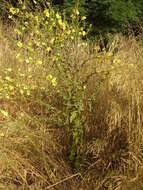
x=71, y=115
x=117, y=146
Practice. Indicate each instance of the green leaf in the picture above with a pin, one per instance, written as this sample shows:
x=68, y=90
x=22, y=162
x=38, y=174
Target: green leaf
x=73, y=116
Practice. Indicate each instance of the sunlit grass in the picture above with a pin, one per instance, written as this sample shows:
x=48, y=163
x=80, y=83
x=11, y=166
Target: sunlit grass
x=70, y=116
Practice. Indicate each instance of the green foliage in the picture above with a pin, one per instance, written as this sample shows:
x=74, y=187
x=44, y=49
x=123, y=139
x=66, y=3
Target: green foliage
x=107, y=15
x=111, y=16
x=3, y=8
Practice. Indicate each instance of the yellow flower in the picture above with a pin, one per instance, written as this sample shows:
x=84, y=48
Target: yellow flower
x=5, y=113
x=43, y=44
x=52, y=41
x=7, y=96
x=34, y=2
x=76, y=12
x=49, y=77
x=21, y=92
x=83, y=33
x=2, y=134
x=23, y=28
x=22, y=114
x=28, y=92
x=39, y=62
x=18, y=55
x=27, y=60
x=85, y=44
x=19, y=44
x=68, y=32
x=26, y=23
x=131, y=65
x=8, y=78
x=60, y=22
x=64, y=26
x=83, y=18
x=9, y=69
x=58, y=16
x=17, y=10
x=116, y=61
x=109, y=54
x=20, y=1
x=84, y=87
x=36, y=18
x=12, y=10
x=11, y=87
x=48, y=49
x=17, y=31
x=73, y=30
x=54, y=81
x=24, y=7
x=10, y=16
x=47, y=13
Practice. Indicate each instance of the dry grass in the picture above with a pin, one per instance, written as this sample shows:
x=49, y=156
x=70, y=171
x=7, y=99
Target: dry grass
x=34, y=145
x=117, y=146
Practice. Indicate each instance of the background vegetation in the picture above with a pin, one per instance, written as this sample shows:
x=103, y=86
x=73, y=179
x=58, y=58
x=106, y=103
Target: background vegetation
x=71, y=112
x=105, y=15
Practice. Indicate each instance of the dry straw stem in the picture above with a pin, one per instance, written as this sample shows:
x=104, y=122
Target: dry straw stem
x=61, y=181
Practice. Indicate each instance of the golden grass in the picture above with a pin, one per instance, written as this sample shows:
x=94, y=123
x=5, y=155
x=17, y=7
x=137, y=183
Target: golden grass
x=117, y=124
x=34, y=142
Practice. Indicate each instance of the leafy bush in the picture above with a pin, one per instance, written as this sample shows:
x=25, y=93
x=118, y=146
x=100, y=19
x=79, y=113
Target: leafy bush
x=47, y=34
